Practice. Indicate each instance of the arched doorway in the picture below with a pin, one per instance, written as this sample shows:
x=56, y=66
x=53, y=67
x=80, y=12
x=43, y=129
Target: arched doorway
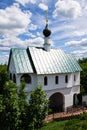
x=77, y=99
x=57, y=102
x=80, y=98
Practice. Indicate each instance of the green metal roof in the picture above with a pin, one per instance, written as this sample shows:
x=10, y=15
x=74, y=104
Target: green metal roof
x=55, y=61
x=21, y=61
x=37, y=60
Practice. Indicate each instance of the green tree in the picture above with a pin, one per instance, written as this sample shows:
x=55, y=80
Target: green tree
x=83, y=64
x=3, y=77
x=9, y=110
x=23, y=108
x=16, y=112
x=38, y=108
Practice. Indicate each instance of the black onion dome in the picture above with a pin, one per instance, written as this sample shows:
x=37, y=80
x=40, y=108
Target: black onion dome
x=46, y=31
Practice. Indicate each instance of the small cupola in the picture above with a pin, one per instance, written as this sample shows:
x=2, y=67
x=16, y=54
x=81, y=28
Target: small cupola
x=47, y=33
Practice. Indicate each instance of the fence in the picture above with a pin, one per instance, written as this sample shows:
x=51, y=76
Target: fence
x=71, y=112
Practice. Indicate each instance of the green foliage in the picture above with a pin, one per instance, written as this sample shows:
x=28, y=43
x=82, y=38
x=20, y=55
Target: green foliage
x=38, y=108
x=83, y=64
x=9, y=110
x=22, y=96
x=72, y=125
x=55, y=125
x=79, y=123
x=23, y=108
x=16, y=112
x=3, y=77
x=83, y=116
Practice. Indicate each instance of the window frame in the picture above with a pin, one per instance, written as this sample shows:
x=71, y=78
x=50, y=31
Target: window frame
x=56, y=79
x=45, y=81
x=66, y=78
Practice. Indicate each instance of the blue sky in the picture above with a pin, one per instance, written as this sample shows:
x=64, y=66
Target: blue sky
x=22, y=23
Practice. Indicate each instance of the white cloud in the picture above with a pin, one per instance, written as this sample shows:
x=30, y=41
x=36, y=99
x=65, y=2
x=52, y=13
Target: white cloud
x=4, y=59
x=10, y=42
x=24, y=2
x=38, y=41
x=39, y=20
x=69, y=29
x=4, y=48
x=32, y=27
x=15, y=42
x=38, y=34
x=43, y=6
x=80, y=53
x=44, y=1
x=30, y=35
x=67, y=8
x=13, y=21
x=35, y=41
x=82, y=42
x=80, y=32
x=62, y=27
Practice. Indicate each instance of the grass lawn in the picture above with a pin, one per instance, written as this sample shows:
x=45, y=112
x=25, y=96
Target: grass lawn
x=79, y=123
x=55, y=125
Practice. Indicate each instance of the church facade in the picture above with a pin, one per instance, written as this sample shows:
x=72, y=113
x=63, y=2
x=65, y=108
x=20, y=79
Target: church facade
x=56, y=71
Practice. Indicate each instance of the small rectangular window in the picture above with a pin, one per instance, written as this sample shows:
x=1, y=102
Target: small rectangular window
x=56, y=80
x=45, y=80
x=66, y=79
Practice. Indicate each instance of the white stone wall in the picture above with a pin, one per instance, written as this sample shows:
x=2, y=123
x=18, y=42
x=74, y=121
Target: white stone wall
x=30, y=86
x=67, y=89
x=51, y=81
x=68, y=94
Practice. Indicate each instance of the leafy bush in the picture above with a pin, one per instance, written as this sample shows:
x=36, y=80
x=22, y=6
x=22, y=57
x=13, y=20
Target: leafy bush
x=38, y=108
x=9, y=115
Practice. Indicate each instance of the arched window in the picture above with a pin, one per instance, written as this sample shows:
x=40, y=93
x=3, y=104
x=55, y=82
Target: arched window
x=10, y=76
x=14, y=78
x=45, y=80
x=56, y=80
x=66, y=78
x=26, y=78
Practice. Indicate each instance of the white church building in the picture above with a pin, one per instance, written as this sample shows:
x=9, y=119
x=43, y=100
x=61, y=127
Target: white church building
x=58, y=72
